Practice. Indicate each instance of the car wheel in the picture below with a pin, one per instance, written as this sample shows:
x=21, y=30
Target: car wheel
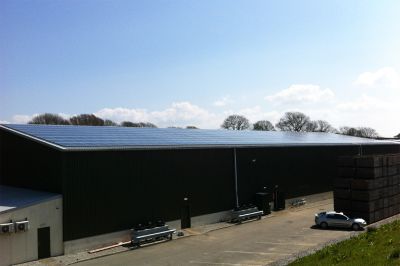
x=355, y=227
x=323, y=225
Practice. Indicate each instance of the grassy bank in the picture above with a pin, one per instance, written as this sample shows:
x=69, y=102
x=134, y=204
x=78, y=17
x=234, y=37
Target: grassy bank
x=374, y=247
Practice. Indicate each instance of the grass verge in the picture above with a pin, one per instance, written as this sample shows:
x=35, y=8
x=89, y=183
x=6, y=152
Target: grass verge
x=374, y=247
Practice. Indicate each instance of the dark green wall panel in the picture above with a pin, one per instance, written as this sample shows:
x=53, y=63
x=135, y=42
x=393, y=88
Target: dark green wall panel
x=108, y=191
x=24, y=163
x=121, y=189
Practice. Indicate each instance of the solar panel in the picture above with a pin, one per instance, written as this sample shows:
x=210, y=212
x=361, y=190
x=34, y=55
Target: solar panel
x=103, y=137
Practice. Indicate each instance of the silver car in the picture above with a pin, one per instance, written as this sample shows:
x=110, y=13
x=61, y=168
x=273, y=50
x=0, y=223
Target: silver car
x=338, y=219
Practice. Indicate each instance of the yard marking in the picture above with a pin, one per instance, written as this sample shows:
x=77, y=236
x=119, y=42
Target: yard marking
x=224, y=263
x=258, y=253
x=278, y=243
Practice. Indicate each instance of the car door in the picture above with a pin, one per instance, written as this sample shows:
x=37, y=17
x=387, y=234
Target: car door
x=341, y=220
x=330, y=219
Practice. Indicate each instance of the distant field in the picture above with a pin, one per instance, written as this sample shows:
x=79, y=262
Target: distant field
x=374, y=247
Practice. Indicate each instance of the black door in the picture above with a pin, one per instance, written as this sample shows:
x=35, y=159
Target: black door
x=185, y=216
x=43, y=242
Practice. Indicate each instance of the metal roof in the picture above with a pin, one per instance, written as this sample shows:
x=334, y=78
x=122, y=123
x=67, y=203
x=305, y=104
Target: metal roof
x=115, y=138
x=12, y=198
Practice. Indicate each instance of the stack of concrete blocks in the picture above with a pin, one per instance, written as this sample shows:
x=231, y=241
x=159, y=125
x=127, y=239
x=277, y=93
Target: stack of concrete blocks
x=368, y=186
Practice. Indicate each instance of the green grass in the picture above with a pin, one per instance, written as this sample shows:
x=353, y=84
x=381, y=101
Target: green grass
x=374, y=247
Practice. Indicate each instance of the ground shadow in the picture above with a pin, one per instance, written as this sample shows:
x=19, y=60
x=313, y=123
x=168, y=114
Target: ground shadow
x=316, y=227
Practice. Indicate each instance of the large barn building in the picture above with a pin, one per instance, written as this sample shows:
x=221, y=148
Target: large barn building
x=111, y=178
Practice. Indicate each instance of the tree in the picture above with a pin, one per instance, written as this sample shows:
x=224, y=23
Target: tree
x=293, y=121
x=236, y=122
x=108, y=122
x=312, y=126
x=349, y=131
x=49, y=119
x=367, y=132
x=86, y=120
x=320, y=126
x=362, y=132
x=263, y=125
x=191, y=127
x=139, y=124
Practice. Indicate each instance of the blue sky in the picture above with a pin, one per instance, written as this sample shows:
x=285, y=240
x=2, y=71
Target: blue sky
x=178, y=63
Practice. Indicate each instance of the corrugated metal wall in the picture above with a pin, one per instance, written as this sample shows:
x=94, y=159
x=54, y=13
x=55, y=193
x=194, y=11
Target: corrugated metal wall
x=113, y=190
x=117, y=190
x=24, y=163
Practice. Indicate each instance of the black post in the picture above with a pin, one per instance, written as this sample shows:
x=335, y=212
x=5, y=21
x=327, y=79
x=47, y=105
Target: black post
x=236, y=180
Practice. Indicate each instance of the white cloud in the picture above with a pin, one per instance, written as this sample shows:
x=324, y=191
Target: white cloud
x=379, y=112
x=4, y=122
x=120, y=114
x=386, y=77
x=365, y=103
x=257, y=113
x=301, y=93
x=178, y=114
x=22, y=119
x=223, y=102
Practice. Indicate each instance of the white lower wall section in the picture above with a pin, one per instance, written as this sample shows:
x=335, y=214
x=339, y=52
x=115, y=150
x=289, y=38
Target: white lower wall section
x=98, y=241
x=23, y=246
x=93, y=242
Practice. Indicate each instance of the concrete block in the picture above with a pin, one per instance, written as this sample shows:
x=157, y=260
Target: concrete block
x=396, y=199
x=341, y=193
x=385, y=181
x=395, y=189
x=367, y=184
x=378, y=204
x=369, y=161
x=363, y=206
x=378, y=215
x=383, y=192
x=341, y=204
x=362, y=184
x=385, y=203
x=391, y=211
x=368, y=195
x=396, y=209
x=391, y=170
x=369, y=173
x=390, y=181
x=386, y=212
x=392, y=159
x=380, y=182
x=392, y=191
x=396, y=179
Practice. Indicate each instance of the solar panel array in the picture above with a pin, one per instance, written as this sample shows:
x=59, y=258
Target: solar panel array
x=71, y=137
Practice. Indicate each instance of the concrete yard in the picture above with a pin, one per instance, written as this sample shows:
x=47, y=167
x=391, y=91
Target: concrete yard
x=273, y=239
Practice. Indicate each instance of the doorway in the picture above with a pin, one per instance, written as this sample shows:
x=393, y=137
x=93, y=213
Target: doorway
x=185, y=216
x=43, y=236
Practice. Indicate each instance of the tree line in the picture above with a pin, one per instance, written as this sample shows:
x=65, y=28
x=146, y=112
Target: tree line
x=290, y=121
x=84, y=120
x=297, y=122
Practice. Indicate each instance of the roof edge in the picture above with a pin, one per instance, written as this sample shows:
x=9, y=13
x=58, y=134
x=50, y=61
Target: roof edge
x=36, y=139
x=175, y=147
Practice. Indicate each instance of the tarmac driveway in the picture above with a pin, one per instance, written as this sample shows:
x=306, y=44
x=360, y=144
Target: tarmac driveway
x=271, y=239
